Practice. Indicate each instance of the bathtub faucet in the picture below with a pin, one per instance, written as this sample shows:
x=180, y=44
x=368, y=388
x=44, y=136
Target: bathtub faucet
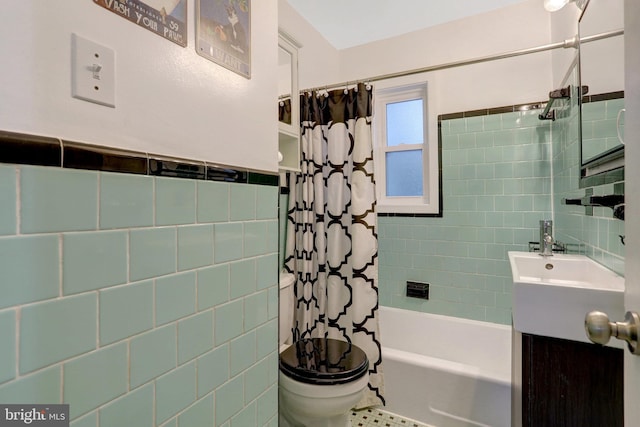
x=546, y=239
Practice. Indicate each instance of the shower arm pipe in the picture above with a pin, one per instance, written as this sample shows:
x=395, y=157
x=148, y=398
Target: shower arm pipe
x=569, y=43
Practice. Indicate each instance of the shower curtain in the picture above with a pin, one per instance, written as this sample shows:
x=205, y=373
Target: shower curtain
x=332, y=244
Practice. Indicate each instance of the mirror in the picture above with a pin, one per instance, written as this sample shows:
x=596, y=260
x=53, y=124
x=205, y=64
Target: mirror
x=601, y=55
x=288, y=105
x=284, y=84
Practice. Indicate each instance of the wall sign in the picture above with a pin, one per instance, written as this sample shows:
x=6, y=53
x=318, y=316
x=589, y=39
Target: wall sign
x=167, y=18
x=223, y=33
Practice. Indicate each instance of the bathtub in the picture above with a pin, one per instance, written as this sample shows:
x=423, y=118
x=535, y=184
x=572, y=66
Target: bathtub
x=445, y=371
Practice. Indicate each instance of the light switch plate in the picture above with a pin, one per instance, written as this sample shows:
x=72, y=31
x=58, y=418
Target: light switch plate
x=92, y=71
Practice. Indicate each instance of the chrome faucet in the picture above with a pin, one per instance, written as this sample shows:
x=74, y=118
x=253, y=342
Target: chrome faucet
x=546, y=239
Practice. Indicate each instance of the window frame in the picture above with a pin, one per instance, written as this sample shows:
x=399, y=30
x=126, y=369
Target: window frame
x=430, y=201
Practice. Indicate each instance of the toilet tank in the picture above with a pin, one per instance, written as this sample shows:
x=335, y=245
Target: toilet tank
x=287, y=281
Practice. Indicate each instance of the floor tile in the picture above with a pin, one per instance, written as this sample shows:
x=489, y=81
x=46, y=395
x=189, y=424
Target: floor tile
x=375, y=417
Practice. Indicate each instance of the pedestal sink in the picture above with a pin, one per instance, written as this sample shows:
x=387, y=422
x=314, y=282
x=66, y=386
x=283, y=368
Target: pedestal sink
x=552, y=295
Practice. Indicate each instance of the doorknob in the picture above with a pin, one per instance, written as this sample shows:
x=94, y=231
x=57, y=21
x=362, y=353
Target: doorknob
x=599, y=329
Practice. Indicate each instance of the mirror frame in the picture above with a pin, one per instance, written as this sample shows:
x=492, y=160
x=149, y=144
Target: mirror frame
x=290, y=46
x=607, y=167
x=289, y=133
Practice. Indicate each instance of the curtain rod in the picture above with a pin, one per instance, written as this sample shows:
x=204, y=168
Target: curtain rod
x=563, y=44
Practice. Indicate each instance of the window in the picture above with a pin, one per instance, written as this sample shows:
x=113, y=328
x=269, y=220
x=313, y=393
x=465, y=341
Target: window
x=406, y=159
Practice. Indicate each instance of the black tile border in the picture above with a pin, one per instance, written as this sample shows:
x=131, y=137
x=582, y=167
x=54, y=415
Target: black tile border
x=25, y=149
x=410, y=215
x=603, y=97
x=30, y=150
x=176, y=169
x=493, y=110
x=524, y=107
x=262, y=179
x=77, y=156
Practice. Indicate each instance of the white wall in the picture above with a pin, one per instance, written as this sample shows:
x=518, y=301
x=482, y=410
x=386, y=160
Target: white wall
x=602, y=62
x=511, y=81
x=492, y=84
x=318, y=60
x=504, y=82
x=169, y=100
x=564, y=26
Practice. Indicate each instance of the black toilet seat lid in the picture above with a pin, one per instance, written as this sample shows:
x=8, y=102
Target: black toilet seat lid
x=324, y=361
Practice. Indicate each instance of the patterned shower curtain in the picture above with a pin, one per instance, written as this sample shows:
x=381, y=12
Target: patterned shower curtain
x=332, y=242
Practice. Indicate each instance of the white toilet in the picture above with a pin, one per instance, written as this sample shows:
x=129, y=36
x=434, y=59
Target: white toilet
x=320, y=379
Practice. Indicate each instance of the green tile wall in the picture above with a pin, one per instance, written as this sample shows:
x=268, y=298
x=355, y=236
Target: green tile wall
x=195, y=336
x=125, y=296
x=54, y=200
x=195, y=246
x=282, y=216
x=175, y=391
x=229, y=400
x=107, y=367
x=41, y=386
x=499, y=179
x=599, y=129
x=125, y=311
x=242, y=203
x=199, y=415
x=175, y=201
x=57, y=329
x=597, y=235
x=496, y=186
x=93, y=260
x=8, y=197
x=175, y=297
x=228, y=244
x=8, y=349
x=126, y=201
x=21, y=283
x=152, y=354
x=133, y=409
x=152, y=252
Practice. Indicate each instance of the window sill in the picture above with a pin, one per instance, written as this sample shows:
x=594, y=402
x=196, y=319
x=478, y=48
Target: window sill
x=409, y=210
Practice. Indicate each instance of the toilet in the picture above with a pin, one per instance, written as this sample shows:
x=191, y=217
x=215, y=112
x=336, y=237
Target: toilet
x=320, y=379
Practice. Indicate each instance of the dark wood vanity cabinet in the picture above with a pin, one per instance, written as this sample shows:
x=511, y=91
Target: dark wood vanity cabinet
x=571, y=384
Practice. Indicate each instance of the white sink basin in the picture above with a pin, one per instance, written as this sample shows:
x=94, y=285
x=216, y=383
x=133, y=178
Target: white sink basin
x=552, y=295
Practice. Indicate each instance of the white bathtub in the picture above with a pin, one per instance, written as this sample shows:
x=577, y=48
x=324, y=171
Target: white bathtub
x=445, y=371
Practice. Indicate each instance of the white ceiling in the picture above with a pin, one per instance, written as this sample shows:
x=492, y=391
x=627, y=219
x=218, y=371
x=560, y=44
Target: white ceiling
x=348, y=23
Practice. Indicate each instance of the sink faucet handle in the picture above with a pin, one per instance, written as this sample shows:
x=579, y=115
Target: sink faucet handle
x=546, y=238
